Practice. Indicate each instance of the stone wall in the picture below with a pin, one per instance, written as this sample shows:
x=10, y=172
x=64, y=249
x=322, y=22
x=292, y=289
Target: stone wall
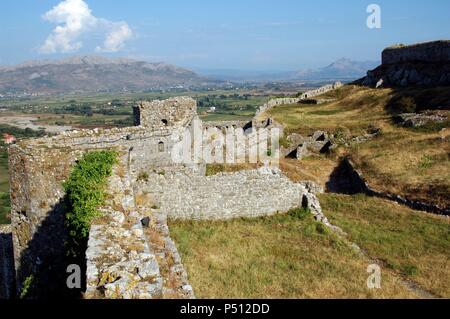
x=249, y=193
x=37, y=214
x=430, y=52
x=224, y=125
x=121, y=260
x=423, y=64
x=39, y=167
x=173, y=112
x=307, y=95
x=360, y=185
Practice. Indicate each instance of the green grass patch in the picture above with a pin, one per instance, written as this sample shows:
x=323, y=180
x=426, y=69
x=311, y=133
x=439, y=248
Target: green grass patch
x=426, y=162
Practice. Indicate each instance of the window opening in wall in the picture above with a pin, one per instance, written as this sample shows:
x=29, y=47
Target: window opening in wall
x=161, y=147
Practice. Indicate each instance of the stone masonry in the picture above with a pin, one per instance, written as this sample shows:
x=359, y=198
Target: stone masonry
x=305, y=96
x=251, y=193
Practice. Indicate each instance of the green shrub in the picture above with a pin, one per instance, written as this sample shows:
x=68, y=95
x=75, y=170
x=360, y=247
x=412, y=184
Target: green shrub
x=5, y=208
x=85, y=193
x=321, y=228
x=214, y=169
x=299, y=213
x=426, y=162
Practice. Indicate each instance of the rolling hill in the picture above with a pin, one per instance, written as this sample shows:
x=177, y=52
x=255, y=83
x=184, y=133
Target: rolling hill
x=95, y=74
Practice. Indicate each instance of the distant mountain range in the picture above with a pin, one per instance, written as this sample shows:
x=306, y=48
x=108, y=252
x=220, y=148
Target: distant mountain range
x=95, y=74
x=88, y=74
x=343, y=69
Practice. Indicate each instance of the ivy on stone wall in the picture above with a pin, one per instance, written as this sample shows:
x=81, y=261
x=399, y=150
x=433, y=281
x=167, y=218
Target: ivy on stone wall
x=85, y=192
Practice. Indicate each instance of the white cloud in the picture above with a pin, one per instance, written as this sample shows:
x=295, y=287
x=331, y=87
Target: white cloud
x=76, y=21
x=115, y=40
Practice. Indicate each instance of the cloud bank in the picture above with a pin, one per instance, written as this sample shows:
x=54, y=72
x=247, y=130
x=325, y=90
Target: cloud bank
x=75, y=21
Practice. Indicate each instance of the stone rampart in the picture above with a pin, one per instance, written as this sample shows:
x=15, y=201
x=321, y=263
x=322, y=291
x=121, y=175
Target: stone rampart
x=429, y=52
x=307, y=95
x=249, y=193
x=422, y=64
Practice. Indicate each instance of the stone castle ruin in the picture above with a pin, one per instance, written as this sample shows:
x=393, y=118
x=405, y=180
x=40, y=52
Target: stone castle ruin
x=130, y=253
x=422, y=64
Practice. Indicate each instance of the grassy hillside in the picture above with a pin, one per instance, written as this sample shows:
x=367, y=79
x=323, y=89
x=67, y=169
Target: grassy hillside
x=411, y=162
x=290, y=257
x=285, y=256
x=415, y=245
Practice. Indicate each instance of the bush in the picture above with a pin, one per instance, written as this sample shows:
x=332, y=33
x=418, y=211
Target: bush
x=85, y=193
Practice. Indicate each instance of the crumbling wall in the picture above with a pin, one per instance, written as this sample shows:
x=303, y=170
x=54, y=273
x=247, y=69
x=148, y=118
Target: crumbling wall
x=307, y=95
x=122, y=261
x=250, y=193
x=118, y=245
x=173, y=112
x=39, y=167
x=224, y=125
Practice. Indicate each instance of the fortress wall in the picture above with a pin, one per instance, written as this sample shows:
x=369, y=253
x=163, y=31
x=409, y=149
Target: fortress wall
x=123, y=262
x=37, y=214
x=155, y=115
x=37, y=174
x=307, y=95
x=39, y=167
x=430, y=52
x=251, y=193
x=423, y=64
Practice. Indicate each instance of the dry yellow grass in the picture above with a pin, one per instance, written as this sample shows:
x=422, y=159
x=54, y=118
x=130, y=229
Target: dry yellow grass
x=314, y=168
x=354, y=110
x=275, y=257
x=415, y=245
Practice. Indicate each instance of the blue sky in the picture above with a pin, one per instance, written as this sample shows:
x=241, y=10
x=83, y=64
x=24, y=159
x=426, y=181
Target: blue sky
x=231, y=34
